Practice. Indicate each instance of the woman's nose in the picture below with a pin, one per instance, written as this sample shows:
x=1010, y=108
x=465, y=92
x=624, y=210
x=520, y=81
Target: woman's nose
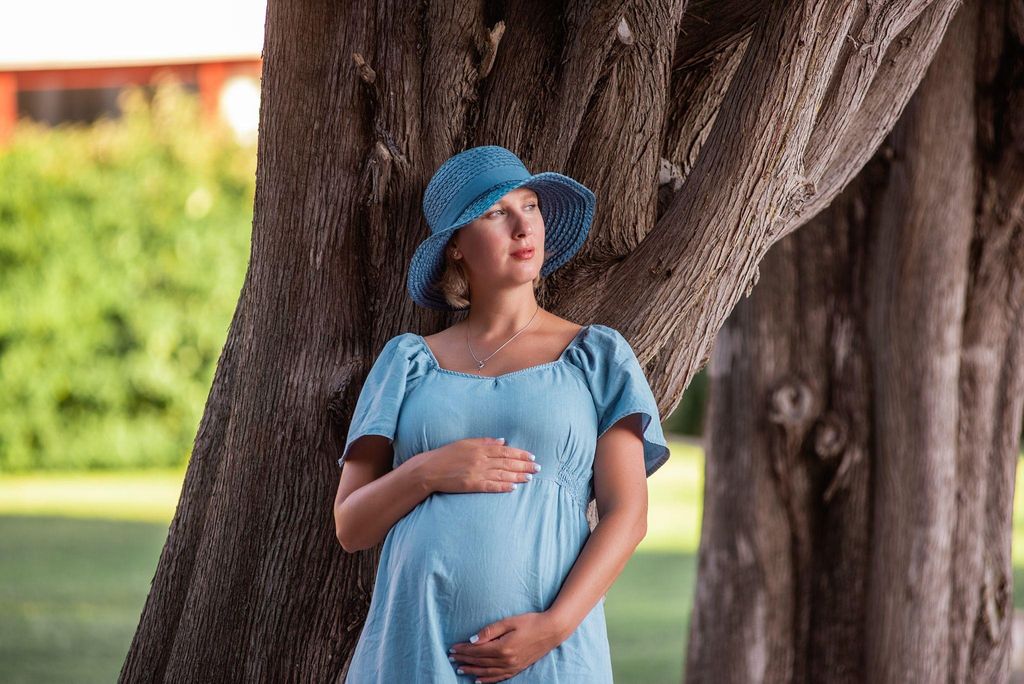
x=523, y=227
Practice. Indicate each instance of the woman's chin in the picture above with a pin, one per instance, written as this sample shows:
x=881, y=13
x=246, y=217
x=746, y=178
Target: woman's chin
x=526, y=267
x=527, y=275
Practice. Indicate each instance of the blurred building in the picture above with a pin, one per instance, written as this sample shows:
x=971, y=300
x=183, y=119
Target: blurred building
x=66, y=61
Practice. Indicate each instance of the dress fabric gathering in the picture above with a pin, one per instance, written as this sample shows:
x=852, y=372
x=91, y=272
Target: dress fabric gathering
x=459, y=561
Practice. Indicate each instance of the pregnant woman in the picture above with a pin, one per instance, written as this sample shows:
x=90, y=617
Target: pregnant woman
x=473, y=453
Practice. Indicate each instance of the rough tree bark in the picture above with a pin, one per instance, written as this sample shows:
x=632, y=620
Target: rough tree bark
x=750, y=113
x=866, y=407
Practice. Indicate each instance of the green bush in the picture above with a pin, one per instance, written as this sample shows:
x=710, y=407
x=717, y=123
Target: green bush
x=688, y=418
x=123, y=247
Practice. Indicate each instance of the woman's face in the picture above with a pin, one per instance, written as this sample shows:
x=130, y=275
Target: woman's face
x=490, y=242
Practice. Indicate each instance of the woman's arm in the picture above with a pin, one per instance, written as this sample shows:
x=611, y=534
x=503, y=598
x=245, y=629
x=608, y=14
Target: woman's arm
x=372, y=496
x=620, y=490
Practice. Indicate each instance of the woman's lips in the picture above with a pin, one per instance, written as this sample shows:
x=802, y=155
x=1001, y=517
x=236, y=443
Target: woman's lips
x=523, y=254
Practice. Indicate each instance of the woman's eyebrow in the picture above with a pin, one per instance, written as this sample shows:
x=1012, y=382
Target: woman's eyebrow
x=500, y=204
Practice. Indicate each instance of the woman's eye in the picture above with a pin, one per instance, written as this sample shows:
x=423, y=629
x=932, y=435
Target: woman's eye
x=532, y=205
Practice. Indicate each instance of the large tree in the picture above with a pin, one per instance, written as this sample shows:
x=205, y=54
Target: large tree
x=866, y=406
x=708, y=131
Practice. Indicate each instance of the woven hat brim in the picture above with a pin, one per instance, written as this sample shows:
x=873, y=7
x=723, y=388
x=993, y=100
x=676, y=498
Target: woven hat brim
x=568, y=210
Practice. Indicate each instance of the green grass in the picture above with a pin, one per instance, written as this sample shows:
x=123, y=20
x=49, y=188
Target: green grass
x=648, y=607
x=77, y=554
x=71, y=591
x=648, y=614
x=78, y=551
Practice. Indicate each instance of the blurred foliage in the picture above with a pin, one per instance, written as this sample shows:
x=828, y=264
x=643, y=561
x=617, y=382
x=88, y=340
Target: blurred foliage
x=688, y=417
x=123, y=247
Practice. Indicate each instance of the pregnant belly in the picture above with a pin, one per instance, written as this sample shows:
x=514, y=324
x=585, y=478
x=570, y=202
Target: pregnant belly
x=478, y=557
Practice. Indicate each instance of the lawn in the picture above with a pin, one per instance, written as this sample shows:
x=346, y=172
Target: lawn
x=77, y=554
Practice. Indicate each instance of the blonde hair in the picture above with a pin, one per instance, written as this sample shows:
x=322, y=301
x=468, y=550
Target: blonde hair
x=454, y=284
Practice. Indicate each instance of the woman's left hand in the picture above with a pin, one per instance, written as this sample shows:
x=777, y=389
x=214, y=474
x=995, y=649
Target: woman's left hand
x=507, y=646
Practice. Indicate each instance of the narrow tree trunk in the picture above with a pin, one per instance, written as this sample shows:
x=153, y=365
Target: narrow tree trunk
x=917, y=280
x=991, y=362
x=866, y=409
x=784, y=539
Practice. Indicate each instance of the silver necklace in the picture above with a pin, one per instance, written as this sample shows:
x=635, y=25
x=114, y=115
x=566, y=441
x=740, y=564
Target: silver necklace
x=479, y=363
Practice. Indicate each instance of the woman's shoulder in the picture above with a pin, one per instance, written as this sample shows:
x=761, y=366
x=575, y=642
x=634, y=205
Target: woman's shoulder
x=402, y=341
x=605, y=334
x=402, y=353
x=605, y=340
x=598, y=348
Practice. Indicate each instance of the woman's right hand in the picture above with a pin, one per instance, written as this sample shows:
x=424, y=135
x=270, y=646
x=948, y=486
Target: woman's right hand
x=477, y=464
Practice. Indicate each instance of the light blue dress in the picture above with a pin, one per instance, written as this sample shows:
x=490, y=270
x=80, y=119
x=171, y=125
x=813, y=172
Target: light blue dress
x=459, y=561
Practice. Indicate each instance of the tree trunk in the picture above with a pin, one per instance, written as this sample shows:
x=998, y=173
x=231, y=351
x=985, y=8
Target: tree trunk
x=784, y=536
x=749, y=123
x=866, y=409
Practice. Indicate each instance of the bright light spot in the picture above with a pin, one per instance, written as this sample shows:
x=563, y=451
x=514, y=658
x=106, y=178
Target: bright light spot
x=198, y=203
x=240, y=106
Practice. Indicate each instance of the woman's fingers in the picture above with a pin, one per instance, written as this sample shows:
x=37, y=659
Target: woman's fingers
x=463, y=659
x=487, y=672
x=512, y=454
x=510, y=476
x=517, y=460
x=521, y=468
x=496, y=481
x=510, y=467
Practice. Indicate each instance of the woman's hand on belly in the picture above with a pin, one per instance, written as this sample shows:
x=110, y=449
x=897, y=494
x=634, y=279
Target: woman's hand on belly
x=508, y=646
x=477, y=464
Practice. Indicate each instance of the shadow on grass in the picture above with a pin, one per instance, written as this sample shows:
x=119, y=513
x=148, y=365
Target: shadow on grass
x=71, y=593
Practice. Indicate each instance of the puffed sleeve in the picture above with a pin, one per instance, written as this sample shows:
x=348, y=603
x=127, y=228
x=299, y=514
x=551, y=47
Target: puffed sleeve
x=621, y=389
x=382, y=394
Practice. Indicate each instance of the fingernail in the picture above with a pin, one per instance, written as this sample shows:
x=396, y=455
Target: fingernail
x=460, y=671
x=501, y=439
x=532, y=457
x=529, y=476
x=513, y=487
x=536, y=467
x=451, y=658
x=451, y=650
x=473, y=639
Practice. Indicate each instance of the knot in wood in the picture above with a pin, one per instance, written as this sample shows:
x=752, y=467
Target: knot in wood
x=336, y=404
x=669, y=174
x=830, y=436
x=660, y=271
x=790, y=404
x=366, y=72
x=488, y=49
x=623, y=32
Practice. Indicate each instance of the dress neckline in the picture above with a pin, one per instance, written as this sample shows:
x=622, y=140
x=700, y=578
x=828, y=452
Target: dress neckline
x=561, y=358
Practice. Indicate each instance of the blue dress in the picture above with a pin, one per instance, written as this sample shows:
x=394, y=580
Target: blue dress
x=459, y=561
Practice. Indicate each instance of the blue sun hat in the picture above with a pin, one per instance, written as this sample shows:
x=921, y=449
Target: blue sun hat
x=466, y=186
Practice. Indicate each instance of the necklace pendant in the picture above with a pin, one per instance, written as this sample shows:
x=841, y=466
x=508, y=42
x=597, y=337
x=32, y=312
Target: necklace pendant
x=480, y=365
